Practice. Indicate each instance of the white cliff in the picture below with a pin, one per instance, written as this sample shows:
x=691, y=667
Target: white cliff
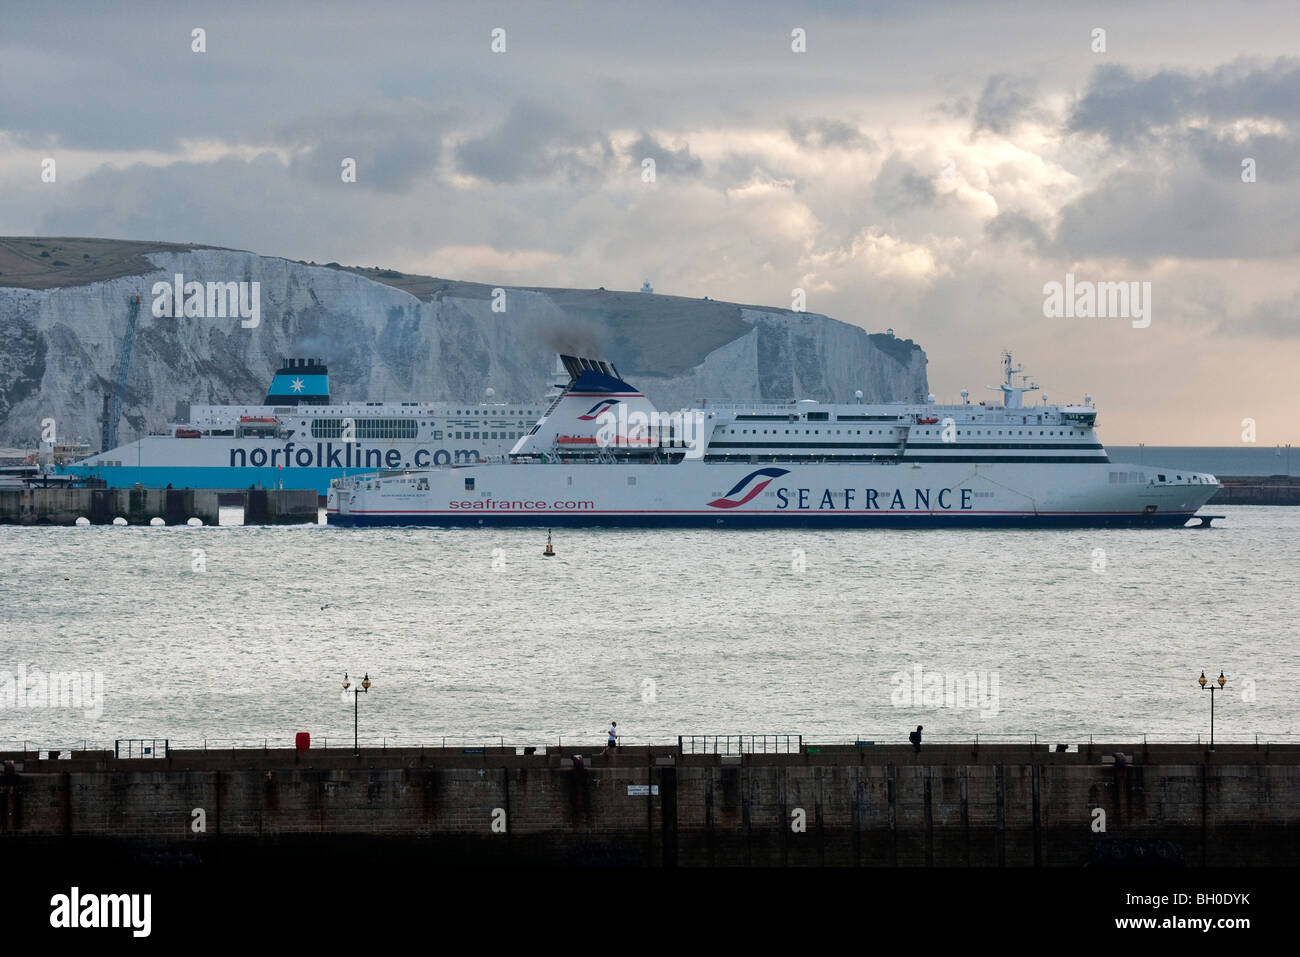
x=439, y=340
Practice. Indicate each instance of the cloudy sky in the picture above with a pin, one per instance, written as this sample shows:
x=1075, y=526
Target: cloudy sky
x=924, y=166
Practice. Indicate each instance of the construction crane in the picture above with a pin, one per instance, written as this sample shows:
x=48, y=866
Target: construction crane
x=113, y=400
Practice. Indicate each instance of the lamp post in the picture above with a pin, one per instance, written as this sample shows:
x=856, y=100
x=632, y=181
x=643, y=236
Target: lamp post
x=364, y=686
x=1203, y=682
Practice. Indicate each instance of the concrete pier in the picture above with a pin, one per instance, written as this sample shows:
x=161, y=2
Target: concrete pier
x=990, y=805
x=1257, y=490
x=263, y=506
x=140, y=506
x=101, y=506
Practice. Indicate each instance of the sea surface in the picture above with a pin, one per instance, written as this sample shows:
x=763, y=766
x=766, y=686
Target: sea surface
x=239, y=636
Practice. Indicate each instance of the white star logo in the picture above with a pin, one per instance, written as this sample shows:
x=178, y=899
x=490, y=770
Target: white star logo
x=298, y=385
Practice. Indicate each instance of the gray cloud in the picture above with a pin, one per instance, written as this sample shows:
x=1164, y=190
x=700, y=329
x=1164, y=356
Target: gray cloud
x=1187, y=212
x=1275, y=319
x=1004, y=101
x=535, y=142
x=1128, y=108
x=393, y=145
x=680, y=162
x=822, y=133
x=1017, y=227
x=1180, y=191
x=901, y=186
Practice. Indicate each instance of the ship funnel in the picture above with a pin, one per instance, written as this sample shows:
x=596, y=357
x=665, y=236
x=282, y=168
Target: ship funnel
x=300, y=382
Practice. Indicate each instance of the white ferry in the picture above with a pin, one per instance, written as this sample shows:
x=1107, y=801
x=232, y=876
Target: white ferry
x=300, y=438
x=602, y=455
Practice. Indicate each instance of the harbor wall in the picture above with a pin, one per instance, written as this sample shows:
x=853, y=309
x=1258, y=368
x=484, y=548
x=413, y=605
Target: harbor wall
x=652, y=807
x=139, y=506
x=100, y=506
x=1257, y=490
x=281, y=507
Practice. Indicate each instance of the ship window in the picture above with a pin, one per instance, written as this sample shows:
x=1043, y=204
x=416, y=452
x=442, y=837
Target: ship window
x=469, y=485
x=437, y=434
x=366, y=429
x=1161, y=477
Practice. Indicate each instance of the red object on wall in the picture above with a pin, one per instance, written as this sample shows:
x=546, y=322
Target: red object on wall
x=303, y=741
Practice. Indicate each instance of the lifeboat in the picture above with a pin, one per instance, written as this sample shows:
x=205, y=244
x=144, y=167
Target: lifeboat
x=267, y=419
x=928, y=420
x=188, y=434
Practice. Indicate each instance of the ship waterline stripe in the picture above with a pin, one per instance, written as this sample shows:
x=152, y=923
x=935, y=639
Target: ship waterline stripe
x=746, y=521
x=837, y=512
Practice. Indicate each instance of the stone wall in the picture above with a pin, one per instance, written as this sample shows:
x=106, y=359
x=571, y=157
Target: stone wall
x=845, y=808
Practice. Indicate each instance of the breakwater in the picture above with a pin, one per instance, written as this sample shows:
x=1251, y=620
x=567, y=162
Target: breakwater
x=986, y=805
x=141, y=506
x=1257, y=490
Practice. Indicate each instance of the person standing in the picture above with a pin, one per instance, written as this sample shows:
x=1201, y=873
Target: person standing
x=915, y=738
x=613, y=735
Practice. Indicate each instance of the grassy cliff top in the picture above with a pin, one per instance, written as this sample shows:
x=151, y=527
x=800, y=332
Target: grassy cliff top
x=52, y=262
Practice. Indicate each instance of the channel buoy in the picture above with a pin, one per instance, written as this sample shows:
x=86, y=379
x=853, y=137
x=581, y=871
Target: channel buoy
x=548, y=552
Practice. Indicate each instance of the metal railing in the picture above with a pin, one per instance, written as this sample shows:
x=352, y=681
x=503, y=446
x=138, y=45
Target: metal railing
x=140, y=748
x=739, y=743
x=773, y=743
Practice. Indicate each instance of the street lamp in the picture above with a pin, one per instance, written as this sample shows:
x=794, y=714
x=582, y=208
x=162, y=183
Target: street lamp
x=1202, y=681
x=364, y=686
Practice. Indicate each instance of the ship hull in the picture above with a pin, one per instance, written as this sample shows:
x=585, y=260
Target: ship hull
x=233, y=463
x=685, y=520
x=750, y=496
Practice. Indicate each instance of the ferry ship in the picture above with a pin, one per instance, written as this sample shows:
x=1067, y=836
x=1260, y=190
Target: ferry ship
x=602, y=455
x=300, y=438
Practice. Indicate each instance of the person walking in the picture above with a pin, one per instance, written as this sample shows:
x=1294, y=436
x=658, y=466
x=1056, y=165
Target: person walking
x=915, y=738
x=613, y=735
